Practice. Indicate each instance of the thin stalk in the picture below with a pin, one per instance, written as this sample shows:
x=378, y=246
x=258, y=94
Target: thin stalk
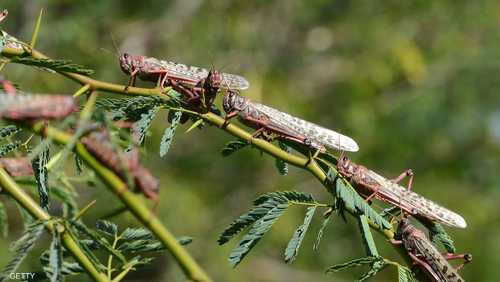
x=133, y=202
x=16, y=192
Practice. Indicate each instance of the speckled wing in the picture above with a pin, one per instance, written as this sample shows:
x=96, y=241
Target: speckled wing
x=415, y=203
x=442, y=269
x=194, y=74
x=326, y=137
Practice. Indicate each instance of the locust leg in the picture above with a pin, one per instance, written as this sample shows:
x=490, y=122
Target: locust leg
x=228, y=117
x=191, y=95
x=406, y=173
x=425, y=265
x=131, y=81
x=466, y=257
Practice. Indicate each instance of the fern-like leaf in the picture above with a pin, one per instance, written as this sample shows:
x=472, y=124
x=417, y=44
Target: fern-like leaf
x=41, y=176
x=281, y=165
x=368, y=242
x=351, y=264
x=439, y=235
x=232, y=147
x=256, y=233
x=168, y=136
x=405, y=275
x=22, y=247
x=4, y=226
x=55, y=258
x=8, y=130
x=107, y=227
x=55, y=65
x=142, y=126
x=131, y=234
x=321, y=231
x=7, y=148
x=375, y=268
x=293, y=246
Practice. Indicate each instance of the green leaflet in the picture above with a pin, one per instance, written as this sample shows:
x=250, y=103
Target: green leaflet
x=368, y=242
x=4, y=226
x=141, y=127
x=262, y=205
x=55, y=65
x=281, y=165
x=321, y=231
x=437, y=235
x=22, y=247
x=137, y=246
x=293, y=246
x=405, y=275
x=7, y=148
x=185, y=240
x=352, y=200
x=256, y=233
x=101, y=241
x=8, y=130
x=168, y=136
x=107, y=227
x=351, y=264
x=41, y=175
x=136, y=234
x=55, y=258
x=232, y=147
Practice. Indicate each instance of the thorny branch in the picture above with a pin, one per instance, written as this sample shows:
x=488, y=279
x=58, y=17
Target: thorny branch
x=88, y=83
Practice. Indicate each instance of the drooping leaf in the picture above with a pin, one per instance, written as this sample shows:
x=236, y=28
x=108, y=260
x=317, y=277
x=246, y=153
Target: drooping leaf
x=368, y=242
x=97, y=238
x=168, y=136
x=281, y=165
x=375, y=268
x=107, y=227
x=22, y=247
x=4, y=226
x=55, y=258
x=262, y=205
x=405, y=275
x=7, y=148
x=232, y=147
x=41, y=176
x=293, y=246
x=131, y=234
x=55, y=65
x=321, y=231
x=8, y=130
x=185, y=240
x=256, y=233
x=352, y=200
x=142, y=126
x=352, y=263
x=438, y=235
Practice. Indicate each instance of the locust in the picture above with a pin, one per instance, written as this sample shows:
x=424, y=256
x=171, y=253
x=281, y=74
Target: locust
x=15, y=167
x=123, y=164
x=152, y=69
x=379, y=187
x=424, y=254
x=28, y=107
x=287, y=127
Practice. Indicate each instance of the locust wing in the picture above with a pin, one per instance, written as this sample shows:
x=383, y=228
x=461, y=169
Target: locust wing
x=326, y=137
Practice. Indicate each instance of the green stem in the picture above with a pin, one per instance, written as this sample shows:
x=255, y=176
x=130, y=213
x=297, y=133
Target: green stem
x=133, y=203
x=14, y=190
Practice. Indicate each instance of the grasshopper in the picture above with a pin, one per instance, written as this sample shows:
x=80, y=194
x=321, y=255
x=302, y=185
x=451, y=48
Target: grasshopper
x=287, y=127
x=423, y=253
x=389, y=191
x=29, y=107
x=99, y=145
x=152, y=69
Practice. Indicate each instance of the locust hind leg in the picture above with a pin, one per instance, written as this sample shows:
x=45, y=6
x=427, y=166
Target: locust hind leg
x=406, y=173
x=131, y=81
x=466, y=257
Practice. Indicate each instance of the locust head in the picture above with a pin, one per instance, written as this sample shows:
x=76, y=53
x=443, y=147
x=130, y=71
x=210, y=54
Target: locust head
x=234, y=102
x=345, y=166
x=213, y=80
x=129, y=63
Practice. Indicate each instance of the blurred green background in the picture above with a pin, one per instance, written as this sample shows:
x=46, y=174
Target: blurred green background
x=415, y=83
